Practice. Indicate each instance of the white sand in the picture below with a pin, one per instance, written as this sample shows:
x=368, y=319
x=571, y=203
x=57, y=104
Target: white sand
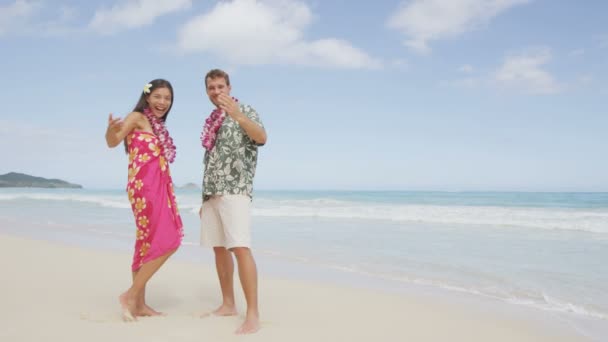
x=52, y=292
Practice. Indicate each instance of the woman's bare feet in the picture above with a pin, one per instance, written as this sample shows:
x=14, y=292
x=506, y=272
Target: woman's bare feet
x=250, y=326
x=128, y=308
x=146, y=311
x=223, y=310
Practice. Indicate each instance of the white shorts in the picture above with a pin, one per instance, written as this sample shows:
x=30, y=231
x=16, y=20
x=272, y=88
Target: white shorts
x=226, y=221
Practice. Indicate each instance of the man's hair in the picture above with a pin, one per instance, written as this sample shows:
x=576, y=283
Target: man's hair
x=215, y=73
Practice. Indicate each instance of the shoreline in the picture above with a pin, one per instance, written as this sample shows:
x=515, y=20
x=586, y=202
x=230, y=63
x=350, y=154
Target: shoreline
x=72, y=295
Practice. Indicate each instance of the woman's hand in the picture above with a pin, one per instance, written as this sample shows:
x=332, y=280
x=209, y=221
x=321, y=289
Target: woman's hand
x=114, y=124
x=113, y=130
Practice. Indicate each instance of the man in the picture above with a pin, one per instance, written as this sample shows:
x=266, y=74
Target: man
x=231, y=138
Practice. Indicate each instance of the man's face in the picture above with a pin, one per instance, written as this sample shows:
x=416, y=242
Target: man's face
x=216, y=86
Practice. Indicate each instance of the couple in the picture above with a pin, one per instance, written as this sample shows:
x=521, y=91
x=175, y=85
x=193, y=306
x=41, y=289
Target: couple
x=230, y=136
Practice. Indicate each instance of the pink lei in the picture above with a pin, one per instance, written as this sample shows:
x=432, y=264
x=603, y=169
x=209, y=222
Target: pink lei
x=161, y=132
x=212, y=125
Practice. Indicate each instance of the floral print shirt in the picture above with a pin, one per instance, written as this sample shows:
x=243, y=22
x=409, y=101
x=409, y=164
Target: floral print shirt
x=229, y=167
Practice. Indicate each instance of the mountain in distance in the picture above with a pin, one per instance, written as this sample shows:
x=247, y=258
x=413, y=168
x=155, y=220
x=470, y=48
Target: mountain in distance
x=189, y=186
x=21, y=180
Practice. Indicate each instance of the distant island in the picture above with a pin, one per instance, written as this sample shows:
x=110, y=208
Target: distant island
x=20, y=180
x=189, y=186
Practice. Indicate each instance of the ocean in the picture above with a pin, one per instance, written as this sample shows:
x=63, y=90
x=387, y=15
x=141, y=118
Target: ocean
x=544, y=251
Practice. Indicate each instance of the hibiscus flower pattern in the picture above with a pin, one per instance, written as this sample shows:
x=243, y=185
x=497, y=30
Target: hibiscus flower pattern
x=152, y=198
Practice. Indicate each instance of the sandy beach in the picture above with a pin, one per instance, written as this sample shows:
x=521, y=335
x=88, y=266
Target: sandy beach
x=64, y=293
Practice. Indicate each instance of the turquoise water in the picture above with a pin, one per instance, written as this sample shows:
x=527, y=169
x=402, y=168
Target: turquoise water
x=503, y=199
x=545, y=251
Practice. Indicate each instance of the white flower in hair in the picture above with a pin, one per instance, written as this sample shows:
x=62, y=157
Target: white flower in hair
x=147, y=88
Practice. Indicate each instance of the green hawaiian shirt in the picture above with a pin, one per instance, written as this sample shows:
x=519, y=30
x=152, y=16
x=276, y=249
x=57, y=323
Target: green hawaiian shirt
x=230, y=165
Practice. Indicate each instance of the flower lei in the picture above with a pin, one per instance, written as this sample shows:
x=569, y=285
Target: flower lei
x=161, y=132
x=212, y=125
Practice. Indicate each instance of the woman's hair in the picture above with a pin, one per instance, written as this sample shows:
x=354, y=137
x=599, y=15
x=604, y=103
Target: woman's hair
x=142, y=103
x=157, y=83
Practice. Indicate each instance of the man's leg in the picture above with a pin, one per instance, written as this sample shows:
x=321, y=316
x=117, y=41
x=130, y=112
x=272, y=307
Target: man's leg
x=249, y=281
x=225, y=273
x=212, y=235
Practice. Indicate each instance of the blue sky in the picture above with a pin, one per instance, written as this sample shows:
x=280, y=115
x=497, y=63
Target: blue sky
x=385, y=95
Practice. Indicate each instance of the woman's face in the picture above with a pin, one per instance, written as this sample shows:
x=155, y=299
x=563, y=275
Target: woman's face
x=159, y=101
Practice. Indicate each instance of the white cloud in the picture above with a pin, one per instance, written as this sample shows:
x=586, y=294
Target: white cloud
x=14, y=16
x=423, y=21
x=524, y=71
x=519, y=72
x=36, y=18
x=133, y=14
x=42, y=18
x=254, y=32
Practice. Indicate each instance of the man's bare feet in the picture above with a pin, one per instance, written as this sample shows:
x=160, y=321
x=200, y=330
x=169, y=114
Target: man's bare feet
x=128, y=308
x=146, y=311
x=250, y=326
x=223, y=310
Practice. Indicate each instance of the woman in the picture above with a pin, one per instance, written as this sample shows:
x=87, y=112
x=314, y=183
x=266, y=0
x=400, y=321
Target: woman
x=149, y=188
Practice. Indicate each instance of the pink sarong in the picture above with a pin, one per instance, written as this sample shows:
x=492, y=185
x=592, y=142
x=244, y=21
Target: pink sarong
x=150, y=190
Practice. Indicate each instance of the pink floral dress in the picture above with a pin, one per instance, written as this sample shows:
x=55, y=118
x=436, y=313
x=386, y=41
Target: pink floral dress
x=150, y=190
